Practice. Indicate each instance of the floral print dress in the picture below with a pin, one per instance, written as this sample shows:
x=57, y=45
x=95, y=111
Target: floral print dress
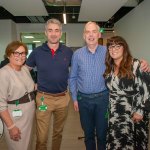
x=126, y=97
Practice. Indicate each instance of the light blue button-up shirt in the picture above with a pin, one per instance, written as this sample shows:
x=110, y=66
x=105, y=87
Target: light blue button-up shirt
x=87, y=71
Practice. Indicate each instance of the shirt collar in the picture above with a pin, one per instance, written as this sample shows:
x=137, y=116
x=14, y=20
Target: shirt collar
x=90, y=51
x=59, y=48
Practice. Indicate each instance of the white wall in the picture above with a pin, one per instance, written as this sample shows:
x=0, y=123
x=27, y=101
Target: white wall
x=74, y=34
x=13, y=31
x=135, y=28
x=29, y=27
x=7, y=34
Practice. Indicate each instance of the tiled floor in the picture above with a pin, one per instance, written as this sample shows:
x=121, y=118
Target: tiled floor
x=71, y=133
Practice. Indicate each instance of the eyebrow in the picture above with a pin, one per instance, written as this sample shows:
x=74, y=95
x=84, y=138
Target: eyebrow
x=19, y=52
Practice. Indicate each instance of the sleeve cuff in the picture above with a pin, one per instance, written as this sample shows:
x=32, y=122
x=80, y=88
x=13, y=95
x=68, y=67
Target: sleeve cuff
x=3, y=108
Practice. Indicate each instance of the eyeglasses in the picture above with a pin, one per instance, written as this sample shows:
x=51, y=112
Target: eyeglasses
x=116, y=47
x=17, y=54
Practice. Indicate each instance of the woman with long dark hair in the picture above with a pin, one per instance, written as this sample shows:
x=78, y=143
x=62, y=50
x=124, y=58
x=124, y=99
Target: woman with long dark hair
x=128, y=121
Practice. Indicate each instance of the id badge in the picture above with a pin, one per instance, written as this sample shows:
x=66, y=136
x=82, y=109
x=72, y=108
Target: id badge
x=43, y=107
x=17, y=113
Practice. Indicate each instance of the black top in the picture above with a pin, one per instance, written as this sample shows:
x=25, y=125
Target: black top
x=4, y=62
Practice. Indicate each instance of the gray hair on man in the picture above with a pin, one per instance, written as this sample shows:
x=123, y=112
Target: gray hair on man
x=53, y=21
x=91, y=22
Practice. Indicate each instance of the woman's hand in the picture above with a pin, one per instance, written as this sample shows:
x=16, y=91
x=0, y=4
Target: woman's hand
x=137, y=117
x=15, y=133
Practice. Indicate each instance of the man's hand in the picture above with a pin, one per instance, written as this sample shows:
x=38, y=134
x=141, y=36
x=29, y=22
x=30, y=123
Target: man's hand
x=145, y=66
x=76, y=108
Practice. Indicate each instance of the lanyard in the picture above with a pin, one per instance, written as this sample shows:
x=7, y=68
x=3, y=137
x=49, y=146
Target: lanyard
x=42, y=107
x=17, y=102
x=42, y=99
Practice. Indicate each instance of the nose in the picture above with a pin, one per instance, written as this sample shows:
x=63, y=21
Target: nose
x=113, y=48
x=91, y=33
x=53, y=33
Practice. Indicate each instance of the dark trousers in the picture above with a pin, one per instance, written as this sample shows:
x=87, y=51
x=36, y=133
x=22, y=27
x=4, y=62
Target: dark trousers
x=93, y=117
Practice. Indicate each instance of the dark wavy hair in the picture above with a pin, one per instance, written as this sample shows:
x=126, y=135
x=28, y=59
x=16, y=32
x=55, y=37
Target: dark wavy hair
x=125, y=68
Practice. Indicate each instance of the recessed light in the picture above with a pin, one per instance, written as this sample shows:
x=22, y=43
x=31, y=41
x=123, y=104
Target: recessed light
x=36, y=41
x=29, y=37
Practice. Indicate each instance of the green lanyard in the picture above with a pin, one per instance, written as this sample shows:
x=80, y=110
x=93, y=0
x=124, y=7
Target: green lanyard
x=17, y=102
x=42, y=107
x=42, y=99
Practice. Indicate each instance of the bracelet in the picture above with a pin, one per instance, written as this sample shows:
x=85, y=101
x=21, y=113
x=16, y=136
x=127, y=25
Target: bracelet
x=9, y=128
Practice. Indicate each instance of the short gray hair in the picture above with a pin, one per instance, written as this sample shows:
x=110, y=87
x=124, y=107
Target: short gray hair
x=53, y=21
x=91, y=22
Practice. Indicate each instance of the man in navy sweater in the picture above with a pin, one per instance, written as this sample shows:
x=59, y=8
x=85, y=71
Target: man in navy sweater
x=52, y=60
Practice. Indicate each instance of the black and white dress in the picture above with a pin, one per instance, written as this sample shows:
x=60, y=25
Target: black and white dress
x=126, y=97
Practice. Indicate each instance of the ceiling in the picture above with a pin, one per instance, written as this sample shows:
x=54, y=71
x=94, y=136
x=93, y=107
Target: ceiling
x=104, y=12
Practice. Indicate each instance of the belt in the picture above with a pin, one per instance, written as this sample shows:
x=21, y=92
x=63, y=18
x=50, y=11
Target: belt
x=25, y=99
x=53, y=94
x=93, y=95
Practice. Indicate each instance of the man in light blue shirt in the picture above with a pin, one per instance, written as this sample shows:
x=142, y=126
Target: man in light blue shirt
x=88, y=89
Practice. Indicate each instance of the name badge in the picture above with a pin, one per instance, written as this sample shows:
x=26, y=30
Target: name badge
x=17, y=113
x=43, y=107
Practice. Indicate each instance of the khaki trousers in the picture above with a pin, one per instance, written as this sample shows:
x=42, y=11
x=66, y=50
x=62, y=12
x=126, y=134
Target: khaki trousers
x=58, y=107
